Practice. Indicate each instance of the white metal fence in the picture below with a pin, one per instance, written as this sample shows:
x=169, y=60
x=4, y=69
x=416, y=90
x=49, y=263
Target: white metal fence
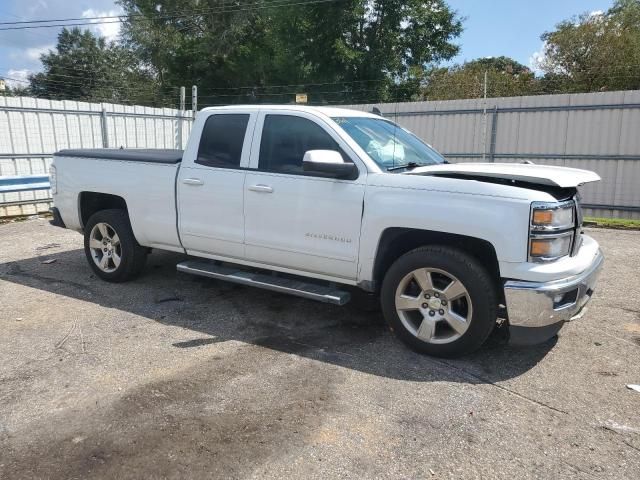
x=594, y=131
x=32, y=129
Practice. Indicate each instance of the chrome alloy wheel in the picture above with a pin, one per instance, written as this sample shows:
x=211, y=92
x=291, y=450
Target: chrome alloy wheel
x=433, y=305
x=105, y=246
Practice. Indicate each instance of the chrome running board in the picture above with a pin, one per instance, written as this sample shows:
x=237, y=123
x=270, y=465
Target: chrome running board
x=278, y=283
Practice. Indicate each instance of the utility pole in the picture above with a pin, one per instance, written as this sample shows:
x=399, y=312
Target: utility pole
x=104, y=127
x=183, y=99
x=484, y=119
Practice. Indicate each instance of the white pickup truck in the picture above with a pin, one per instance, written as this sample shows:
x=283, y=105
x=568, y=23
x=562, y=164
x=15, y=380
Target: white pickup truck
x=317, y=201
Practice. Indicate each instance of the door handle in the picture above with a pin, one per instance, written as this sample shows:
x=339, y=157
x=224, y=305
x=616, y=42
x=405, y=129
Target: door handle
x=193, y=181
x=261, y=188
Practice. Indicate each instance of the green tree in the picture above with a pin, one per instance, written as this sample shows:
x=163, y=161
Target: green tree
x=86, y=67
x=505, y=78
x=594, y=52
x=372, y=49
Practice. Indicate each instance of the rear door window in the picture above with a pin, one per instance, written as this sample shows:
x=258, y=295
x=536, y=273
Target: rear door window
x=222, y=140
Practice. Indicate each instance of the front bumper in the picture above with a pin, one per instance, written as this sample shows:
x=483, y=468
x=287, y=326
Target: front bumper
x=538, y=309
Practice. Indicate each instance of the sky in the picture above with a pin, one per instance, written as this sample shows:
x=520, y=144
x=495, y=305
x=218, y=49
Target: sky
x=513, y=27
x=20, y=50
x=491, y=28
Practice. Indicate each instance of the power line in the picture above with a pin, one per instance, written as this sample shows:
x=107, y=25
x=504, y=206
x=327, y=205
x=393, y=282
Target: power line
x=57, y=87
x=58, y=25
x=88, y=21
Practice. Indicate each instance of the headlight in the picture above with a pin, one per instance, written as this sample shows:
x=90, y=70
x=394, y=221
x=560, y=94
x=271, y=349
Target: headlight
x=552, y=230
x=550, y=216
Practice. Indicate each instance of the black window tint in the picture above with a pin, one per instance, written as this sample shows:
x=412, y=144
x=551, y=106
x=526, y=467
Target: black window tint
x=285, y=140
x=222, y=139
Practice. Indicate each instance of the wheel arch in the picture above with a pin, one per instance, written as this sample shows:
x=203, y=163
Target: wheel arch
x=395, y=242
x=92, y=202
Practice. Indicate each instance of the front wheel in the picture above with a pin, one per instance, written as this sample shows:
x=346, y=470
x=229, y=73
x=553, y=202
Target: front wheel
x=439, y=301
x=111, y=248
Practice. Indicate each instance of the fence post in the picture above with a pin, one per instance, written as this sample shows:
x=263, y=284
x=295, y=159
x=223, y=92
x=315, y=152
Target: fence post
x=104, y=128
x=494, y=133
x=194, y=100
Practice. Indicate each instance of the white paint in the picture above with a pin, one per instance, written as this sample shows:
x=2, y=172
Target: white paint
x=540, y=174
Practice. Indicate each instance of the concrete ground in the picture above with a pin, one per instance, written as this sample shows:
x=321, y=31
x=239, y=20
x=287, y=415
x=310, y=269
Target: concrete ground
x=173, y=376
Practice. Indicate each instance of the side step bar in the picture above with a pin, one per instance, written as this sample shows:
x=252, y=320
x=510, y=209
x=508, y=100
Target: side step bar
x=290, y=285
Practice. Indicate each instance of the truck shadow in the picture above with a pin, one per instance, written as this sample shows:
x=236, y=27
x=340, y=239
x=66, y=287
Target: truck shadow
x=218, y=311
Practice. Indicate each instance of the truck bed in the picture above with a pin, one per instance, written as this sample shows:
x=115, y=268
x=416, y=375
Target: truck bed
x=148, y=155
x=144, y=179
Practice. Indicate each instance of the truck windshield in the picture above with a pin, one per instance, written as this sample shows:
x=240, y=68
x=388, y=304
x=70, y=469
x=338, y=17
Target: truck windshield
x=389, y=145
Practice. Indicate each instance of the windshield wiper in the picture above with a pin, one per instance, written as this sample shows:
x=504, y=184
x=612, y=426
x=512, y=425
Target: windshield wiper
x=407, y=166
x=412, y=165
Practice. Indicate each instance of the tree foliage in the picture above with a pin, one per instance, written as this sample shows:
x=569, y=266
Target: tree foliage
x=369, y=47
x=505, y=78
x=86, y=67
x=15, y=91
x=595, y=52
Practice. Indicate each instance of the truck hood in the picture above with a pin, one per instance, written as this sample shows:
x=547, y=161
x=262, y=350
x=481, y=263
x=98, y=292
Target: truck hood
x=539, y=174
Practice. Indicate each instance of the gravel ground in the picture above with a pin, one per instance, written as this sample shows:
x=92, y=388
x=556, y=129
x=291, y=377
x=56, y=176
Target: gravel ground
x=173, y=376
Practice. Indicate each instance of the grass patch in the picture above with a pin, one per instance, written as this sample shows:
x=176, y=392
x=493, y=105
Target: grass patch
x=618, y=223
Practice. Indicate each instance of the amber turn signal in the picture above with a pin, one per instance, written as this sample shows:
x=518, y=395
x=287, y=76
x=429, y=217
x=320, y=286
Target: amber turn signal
x=542, y=217
x=540, y=248
x=551, y=247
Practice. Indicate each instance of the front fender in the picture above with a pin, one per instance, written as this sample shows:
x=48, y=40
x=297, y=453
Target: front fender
x=499, y=220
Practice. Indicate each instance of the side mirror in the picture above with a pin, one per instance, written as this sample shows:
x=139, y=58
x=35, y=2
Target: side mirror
x=328, y=163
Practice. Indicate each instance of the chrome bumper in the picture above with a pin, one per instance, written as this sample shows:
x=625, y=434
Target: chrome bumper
x=534, y=305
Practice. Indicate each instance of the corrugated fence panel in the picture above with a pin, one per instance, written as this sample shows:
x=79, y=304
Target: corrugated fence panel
x=508, y=125
x=628, y=183
x=595, y=131
x=629, y=137
x=603, y=192
x=540, y=131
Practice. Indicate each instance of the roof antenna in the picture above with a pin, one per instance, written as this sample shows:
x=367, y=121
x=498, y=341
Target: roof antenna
x=376, y=111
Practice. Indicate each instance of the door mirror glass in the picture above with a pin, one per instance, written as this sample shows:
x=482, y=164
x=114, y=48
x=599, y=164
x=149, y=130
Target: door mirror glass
x=328, y=163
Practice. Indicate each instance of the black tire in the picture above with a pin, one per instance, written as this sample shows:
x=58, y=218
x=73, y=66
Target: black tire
x=475, y=278
x=132, y=256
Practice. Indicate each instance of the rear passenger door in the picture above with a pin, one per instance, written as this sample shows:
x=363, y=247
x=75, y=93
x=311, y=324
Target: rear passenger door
x=211, y=185
x=293, y=219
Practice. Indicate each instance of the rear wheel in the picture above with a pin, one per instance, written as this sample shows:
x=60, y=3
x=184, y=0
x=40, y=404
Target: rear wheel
x=439, y=301
x=110, y=247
